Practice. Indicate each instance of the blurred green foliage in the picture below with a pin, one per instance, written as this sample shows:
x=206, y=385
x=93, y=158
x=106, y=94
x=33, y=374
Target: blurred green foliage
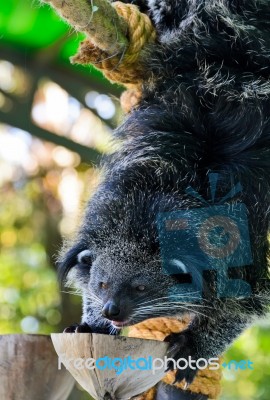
x=29, y=294
x=24, y=24
x=253, y=345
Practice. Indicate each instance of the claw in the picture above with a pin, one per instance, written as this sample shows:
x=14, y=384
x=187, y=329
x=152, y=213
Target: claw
x=186, y=386
x=170, y=366
x=78, y=328
x=70, y=329
x=181, y=346
x=179, y=376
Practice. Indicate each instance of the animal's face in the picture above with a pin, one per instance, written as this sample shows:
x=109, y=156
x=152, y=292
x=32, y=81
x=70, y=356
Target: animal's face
x=125, y=282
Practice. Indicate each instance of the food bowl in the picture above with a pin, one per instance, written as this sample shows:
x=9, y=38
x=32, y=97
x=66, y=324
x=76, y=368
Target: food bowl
x=111, y=367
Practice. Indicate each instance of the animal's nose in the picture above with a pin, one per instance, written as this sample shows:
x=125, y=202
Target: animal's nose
x=110, y=310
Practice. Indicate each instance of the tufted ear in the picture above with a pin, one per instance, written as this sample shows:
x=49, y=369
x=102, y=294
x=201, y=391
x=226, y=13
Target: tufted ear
x=69, y=260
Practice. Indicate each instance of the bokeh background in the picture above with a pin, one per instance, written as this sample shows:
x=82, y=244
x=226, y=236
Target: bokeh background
x=55, y=121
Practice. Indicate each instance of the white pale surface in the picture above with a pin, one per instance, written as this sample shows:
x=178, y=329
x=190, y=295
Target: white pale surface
x=99, y=382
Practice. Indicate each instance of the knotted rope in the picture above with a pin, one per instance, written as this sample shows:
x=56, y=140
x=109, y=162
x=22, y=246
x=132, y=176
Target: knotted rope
x=117, y=36
x=125, y=67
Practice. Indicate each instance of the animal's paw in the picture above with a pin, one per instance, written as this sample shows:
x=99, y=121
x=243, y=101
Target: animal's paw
x=78, y=328
x=183, y=350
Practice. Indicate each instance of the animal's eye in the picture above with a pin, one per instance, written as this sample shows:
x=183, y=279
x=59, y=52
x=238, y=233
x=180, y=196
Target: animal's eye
x=104, y=285
x=85, y=257
x=140, y=288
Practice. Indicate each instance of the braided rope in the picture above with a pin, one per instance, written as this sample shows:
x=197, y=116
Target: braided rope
x=207, y=382
x=117, y=36
x=126, y=67
x=98, y=19
x=141, y=30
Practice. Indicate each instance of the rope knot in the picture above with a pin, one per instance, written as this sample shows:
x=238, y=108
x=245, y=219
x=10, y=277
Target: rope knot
x=140, y=30
x=125, y=67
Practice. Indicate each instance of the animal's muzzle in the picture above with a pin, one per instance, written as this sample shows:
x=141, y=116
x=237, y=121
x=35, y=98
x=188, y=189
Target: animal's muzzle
x=110, y=310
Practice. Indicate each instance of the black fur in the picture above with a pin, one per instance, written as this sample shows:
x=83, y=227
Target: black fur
x=205, y=107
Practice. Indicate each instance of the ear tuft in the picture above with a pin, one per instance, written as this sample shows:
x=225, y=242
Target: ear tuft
x=85, y=257
x=69, y=260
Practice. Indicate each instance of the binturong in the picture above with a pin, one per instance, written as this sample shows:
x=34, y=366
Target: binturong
x=204, y=113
